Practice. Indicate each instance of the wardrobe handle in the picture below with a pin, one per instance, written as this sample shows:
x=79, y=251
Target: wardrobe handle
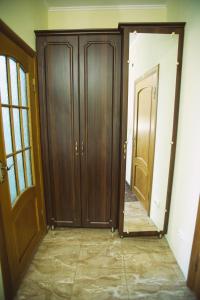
x=82, y=148
x=76, y=148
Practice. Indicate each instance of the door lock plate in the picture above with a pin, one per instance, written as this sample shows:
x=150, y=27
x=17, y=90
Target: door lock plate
x=3, y=170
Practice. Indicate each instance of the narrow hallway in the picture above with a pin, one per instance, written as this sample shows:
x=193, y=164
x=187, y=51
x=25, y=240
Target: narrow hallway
x=96, y=264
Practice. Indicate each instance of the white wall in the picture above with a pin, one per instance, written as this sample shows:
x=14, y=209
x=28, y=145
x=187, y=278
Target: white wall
x=146, y=52
x=186, y=185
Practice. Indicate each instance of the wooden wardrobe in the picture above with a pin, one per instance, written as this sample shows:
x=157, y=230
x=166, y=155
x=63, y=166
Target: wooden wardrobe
x=79, y=93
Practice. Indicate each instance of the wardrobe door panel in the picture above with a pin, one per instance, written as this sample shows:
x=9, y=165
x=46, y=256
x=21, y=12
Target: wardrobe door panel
x=60, y=62
x=99, y=128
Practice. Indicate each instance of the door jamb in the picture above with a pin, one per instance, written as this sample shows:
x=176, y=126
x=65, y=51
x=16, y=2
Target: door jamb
x=195, y=258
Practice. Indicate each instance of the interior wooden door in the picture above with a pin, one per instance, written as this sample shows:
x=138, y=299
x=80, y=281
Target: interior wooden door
x=194, y=269
x=144, y=135
x=100, y=68
x=58, y=76
x=21, y=203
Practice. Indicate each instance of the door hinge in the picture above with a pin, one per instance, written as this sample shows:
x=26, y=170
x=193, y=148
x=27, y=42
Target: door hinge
x=196, y=266
x=33, y=83
x=125, y=149
x=154, y=92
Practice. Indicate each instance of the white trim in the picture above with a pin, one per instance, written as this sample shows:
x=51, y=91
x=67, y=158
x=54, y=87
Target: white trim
x=106, y=7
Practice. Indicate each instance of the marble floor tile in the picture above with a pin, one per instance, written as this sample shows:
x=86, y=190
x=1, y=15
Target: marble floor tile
x=112, y=276
x=51, y=270
x=95, y=264
x=100, y=283
x=145, y=244
x=162, y=275
x=159, y=291
x=65, y=234
x=35, y=289
x=96, y=292
x=98, y=236
x=104, y=256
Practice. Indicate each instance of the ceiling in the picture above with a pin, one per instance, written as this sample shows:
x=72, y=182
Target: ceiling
x=69, y=3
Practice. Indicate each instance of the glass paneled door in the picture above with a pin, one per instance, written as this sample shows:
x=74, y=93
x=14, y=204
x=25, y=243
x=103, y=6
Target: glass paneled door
x=15, y=105
x=21, y=194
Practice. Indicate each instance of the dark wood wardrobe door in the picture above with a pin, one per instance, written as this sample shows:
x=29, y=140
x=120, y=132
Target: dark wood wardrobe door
x=58, y=64
x=100, y=61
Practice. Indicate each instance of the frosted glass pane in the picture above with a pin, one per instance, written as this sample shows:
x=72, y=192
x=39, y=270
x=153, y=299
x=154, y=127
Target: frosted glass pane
x=28, y=167
x=13, y=79
x=23, y=87
x=3, y=80
x=7, y=129
x=17, y=130
x=12, y=180
x=20, y=172
x=25, y=127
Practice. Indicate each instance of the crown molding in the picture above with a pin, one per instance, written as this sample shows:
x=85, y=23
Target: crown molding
x=106, y=7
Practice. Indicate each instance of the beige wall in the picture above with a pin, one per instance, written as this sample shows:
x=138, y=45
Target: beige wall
x=186, y=185
x=24, y=16
x=102, y=18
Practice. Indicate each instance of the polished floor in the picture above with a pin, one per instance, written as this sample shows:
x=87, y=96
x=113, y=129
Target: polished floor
x=129, y=195
x=94, y=264
x=136, y=218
